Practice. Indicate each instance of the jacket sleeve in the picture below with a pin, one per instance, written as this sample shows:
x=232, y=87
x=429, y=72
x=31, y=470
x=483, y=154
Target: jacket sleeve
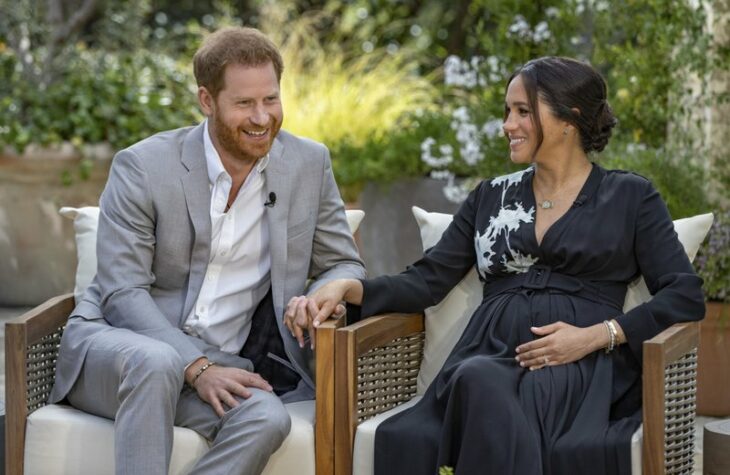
x=669, y=275
x=334, y=254
x=125, y=250
x=429, y=280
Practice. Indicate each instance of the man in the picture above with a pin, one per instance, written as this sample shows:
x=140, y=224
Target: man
x=204, y=233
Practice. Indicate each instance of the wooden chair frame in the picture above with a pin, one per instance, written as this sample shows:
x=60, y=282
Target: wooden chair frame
x=669, y=378
x=31, y=346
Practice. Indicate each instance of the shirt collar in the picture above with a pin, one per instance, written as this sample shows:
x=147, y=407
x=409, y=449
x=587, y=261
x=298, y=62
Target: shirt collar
x=213, y=160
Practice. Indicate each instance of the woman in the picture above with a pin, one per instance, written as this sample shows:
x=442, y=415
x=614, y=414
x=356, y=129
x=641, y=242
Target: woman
x=546, y=378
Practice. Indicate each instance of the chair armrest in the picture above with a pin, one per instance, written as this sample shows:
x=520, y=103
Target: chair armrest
x=376, y=369
x=31, y=346
x=669, y=391
x=324, y=427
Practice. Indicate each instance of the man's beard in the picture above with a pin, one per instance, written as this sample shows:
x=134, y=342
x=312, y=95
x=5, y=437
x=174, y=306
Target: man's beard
x=230, y=139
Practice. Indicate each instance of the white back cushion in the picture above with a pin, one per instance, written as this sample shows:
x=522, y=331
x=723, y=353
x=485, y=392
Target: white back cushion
x=446, y=321
x=86, y=220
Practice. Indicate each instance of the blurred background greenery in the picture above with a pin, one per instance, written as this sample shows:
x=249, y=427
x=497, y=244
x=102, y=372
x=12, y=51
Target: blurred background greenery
x=395, y=88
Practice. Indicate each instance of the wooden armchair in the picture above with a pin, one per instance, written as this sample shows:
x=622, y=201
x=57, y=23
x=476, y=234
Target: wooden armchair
x=378, y=361
x=31, y=346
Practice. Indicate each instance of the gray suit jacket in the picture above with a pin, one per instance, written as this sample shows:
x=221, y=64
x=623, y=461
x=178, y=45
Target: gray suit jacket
x=153, y=245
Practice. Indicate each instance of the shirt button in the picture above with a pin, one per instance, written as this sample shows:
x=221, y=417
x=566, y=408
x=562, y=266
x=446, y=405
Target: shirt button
x=201, y=309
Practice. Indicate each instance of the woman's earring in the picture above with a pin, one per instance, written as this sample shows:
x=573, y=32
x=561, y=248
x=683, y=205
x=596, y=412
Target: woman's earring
x=565, y=132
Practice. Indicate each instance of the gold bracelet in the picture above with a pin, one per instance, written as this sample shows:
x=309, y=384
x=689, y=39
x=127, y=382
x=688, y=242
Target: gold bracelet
x=200, y=371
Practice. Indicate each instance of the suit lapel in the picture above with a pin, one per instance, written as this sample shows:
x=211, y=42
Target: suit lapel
x=278, y=182
x=196, y=188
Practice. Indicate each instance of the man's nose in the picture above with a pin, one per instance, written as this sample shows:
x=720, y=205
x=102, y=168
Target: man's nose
x=260, y=116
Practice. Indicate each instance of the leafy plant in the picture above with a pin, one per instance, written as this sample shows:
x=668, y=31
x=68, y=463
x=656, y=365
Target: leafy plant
x=713, y=259
x=87, y=76
x=333, y=95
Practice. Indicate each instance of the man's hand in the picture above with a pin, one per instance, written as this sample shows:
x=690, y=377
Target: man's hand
x=219, y=385
x=299, y=316
x=561, y=343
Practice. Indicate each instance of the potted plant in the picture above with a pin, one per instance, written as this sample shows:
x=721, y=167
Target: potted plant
x=713, y=265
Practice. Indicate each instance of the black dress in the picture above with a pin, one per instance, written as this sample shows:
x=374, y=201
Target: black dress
x=483, y=413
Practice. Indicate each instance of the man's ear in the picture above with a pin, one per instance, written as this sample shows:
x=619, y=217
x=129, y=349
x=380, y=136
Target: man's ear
x=206, y=101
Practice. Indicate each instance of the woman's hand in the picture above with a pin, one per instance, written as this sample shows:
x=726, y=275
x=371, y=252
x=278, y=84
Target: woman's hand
x=561, y=343
x=299, y=317
x=304, y=313
x=329, y=296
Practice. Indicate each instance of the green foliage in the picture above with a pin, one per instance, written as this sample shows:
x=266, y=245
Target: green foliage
x=335, y=97
x=713, y=260
x=445, y=470
x=108, y=80
x=117, y=98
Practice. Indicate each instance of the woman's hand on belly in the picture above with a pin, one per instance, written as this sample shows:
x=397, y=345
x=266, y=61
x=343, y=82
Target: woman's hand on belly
x=560, y=343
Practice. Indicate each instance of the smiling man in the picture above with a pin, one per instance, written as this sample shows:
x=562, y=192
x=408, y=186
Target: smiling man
x=207, y=236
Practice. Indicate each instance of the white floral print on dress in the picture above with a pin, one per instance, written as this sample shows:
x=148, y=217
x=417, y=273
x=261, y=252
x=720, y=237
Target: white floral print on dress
x=508, y=220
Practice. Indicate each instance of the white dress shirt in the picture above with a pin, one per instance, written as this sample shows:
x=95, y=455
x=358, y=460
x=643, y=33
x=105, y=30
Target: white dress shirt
x=239, y=271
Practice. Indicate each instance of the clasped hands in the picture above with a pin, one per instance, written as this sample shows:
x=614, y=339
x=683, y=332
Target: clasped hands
x=305, y=313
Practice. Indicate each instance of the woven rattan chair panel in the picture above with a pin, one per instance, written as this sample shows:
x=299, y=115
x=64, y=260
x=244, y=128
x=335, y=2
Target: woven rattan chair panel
x=40, y=369
x=386, y=376
x=679, y=419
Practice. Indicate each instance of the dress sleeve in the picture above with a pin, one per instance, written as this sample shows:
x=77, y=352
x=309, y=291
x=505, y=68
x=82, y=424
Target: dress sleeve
x=428, y=280
x=669, y=275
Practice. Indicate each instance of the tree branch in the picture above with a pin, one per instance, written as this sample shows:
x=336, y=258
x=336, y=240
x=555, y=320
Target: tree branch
x=62, y=31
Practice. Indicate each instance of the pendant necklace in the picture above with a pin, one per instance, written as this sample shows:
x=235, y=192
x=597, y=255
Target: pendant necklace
x=547, y=204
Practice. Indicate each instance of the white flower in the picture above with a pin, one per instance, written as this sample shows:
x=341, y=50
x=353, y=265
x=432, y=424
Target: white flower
x=519, y=28
x=551, y=12
x=542, y=32
x=441, y=174
x=461, y=73
x=455, y=193
x=461, y=115
x=436, y=162
x=492, y=128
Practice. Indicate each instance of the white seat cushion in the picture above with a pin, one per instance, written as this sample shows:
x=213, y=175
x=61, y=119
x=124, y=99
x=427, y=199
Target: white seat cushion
x=362, y=453
x=61, y=440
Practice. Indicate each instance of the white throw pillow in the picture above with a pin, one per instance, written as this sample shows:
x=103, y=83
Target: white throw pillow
x=86, y=220
x=446, y=321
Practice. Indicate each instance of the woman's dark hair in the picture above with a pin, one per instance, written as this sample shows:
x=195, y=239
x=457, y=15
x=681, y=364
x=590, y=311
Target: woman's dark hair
x=565, y=85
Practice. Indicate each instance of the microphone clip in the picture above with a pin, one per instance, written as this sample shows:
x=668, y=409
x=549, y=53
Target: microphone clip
x=272, y=200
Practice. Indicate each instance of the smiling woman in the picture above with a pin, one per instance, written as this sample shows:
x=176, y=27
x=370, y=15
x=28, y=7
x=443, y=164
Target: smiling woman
x=548, y=355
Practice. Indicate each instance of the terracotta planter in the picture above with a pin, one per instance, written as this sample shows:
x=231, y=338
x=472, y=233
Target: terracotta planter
x=713, y=374
x=37, y=248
